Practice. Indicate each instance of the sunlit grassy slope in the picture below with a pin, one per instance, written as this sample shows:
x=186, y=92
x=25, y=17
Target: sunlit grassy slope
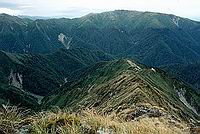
x=125, y=87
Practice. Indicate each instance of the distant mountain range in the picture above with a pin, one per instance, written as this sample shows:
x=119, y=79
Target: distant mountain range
x=33, y=17
x=131, y=64
x=153, y=39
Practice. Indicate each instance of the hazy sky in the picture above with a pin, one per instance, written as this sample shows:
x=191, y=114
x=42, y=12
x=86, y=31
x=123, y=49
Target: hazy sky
x=76, y=8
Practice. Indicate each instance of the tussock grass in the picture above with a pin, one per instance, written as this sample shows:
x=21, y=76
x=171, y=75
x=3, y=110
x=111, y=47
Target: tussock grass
x=86, y=122
x=11, y=118
x=89, y=122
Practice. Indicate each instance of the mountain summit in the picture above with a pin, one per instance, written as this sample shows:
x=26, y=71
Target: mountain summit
x=151, y=38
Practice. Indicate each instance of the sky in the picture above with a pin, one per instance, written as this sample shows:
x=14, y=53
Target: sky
x=76, y=8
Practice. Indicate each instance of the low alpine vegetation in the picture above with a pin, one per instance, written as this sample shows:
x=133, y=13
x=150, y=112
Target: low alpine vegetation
x=13, y=120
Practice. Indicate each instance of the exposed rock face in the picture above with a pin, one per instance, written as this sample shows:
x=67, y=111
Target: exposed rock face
x=64, y=40
x=145, y=111
x=176, y=21
x=153, y=69
x=136, y=67
x=185, y=102
x=15, y=79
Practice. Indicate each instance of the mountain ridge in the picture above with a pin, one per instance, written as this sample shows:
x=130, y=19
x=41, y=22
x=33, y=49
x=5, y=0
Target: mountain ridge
x=122, y=86
x=38, y=75
x=109, y=62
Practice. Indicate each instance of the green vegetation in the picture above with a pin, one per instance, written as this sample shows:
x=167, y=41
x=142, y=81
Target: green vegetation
x=189, y=73
x=123, y=87
x=119, y=96
x=153, y=39
x=82, y=65
x=22, y=75
x=18, y=97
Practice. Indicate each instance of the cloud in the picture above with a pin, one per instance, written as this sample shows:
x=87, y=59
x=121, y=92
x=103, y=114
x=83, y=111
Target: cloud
x=7, y=5
x=10, y=11
x=76, y=8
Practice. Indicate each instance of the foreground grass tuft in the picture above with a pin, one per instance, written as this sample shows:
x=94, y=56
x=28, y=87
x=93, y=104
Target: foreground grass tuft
x=11, y=118
x=86, y=122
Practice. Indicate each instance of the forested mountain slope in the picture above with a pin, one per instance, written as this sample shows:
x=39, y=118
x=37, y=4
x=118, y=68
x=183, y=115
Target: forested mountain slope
x=37, y=74
x=151, y=38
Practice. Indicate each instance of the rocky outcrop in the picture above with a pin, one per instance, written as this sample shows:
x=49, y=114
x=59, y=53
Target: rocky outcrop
x=145, y=111
x=64, y=40
x=15, y=79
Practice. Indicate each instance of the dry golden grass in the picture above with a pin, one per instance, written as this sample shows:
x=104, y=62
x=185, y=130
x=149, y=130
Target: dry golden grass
x=89, y=122
x=11, y=117
x=86, y=122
